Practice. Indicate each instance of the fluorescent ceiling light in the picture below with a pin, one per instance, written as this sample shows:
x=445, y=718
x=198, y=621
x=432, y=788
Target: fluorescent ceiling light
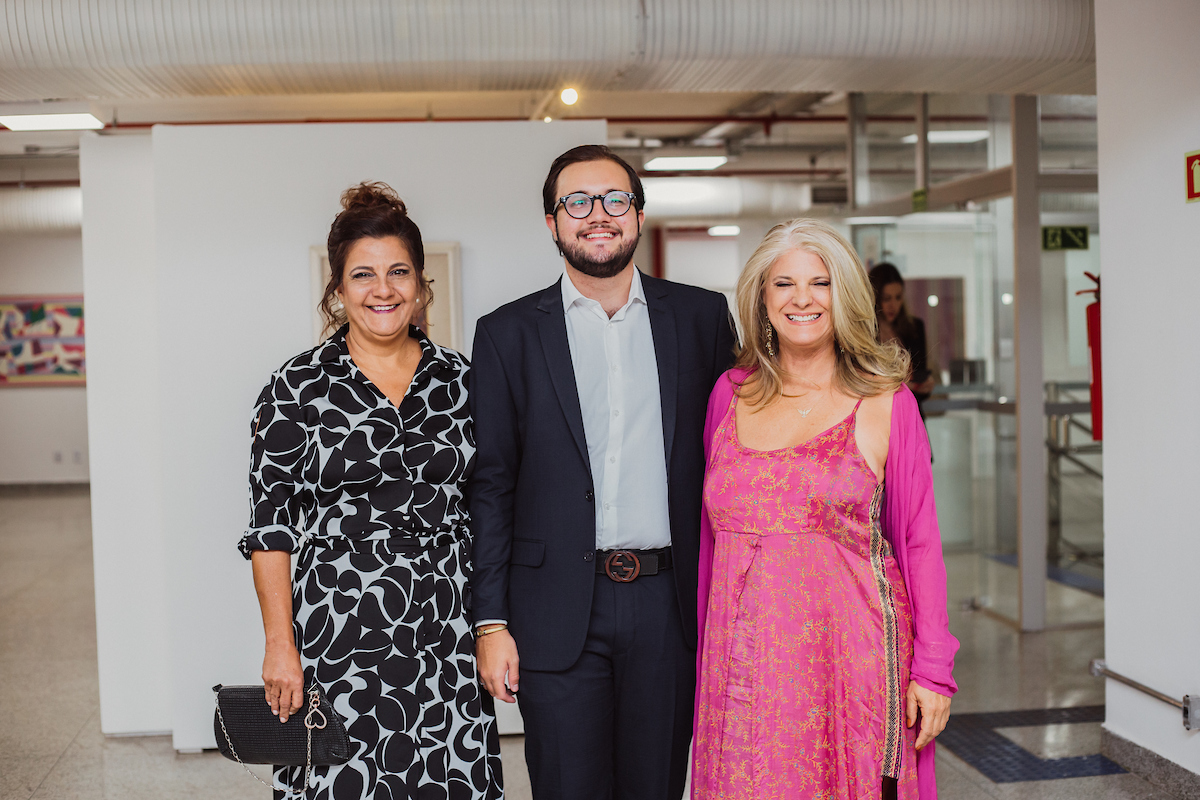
x=662, y=163
x=949, y=137
x=870, y=220
x=724, y=230
x=50, y=122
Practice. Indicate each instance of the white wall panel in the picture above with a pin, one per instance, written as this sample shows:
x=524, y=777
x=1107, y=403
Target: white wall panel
x=132, y=623
x=1149, y=101
x=236, y=211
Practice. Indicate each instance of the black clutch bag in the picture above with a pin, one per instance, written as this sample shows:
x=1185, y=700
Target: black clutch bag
x=248, y=733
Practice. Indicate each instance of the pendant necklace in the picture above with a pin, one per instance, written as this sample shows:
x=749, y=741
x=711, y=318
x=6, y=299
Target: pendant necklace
x=804, y=412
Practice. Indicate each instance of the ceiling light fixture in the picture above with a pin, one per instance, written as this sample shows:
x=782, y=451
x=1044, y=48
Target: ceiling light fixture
x=949, y=137
x=547, y=119
x=932, y=300
x=50, y=122
x=666, y=163
x=870, y=220
x=569, y=96
x=724, y=230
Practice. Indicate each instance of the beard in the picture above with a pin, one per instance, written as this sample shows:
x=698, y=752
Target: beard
x=573, y=251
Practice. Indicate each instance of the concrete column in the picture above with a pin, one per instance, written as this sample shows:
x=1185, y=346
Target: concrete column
x=858, y=174
x=922, y=160
x=1031, y=447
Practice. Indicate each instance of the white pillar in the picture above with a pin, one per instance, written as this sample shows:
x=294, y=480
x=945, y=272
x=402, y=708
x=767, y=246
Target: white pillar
x=1031, y=447
x=922, y=159
x=858, y=175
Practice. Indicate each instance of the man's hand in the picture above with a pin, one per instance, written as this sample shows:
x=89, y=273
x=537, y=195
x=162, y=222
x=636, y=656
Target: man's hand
x=934, y=708
x=498, y=662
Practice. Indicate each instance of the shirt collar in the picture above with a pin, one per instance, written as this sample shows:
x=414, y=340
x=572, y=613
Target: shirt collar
x=571, y=295
x=334, y=349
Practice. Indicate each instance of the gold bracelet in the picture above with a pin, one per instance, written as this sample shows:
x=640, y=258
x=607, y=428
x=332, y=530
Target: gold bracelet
x=484, y=630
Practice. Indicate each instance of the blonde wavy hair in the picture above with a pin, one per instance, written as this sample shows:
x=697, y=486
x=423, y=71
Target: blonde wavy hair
x=864, y=366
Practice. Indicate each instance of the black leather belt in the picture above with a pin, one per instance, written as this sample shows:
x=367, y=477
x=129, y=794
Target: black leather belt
x=624, y=566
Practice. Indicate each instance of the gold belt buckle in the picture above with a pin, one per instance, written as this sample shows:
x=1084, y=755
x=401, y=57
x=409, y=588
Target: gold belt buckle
x=623, y=566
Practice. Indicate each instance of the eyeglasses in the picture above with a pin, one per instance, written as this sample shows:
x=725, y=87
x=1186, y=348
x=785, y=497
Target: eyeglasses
x=615, y=203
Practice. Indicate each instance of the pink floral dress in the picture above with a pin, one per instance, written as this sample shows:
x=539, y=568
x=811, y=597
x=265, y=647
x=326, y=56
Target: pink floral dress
x=809, y=634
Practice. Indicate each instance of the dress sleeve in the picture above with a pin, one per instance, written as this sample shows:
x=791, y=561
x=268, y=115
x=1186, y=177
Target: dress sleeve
x=718, y=402
x=278, y=445
x=912, y=529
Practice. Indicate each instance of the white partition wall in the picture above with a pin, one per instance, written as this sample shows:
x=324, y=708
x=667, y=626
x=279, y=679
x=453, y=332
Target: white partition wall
x=236, y=210
x=1147, y=62
x=128, y=547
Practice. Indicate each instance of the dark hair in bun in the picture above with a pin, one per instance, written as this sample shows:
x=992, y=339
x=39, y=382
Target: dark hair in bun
x=370, y=210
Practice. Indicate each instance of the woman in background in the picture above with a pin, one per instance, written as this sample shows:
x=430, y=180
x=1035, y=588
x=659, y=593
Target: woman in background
x=896, y=324
x=361, y=448
x=822, y=597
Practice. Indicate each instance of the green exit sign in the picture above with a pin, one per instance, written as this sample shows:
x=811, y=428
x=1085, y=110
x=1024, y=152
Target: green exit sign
x=1064, y=237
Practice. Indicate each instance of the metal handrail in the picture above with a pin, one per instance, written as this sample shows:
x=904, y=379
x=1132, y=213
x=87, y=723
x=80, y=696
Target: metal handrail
x=1190, y=704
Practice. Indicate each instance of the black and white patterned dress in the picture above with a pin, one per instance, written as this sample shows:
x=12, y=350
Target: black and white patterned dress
x=371, y=497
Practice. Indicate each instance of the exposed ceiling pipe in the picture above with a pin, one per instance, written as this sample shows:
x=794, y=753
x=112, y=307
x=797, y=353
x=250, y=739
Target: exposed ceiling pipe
x=42, y=210
x=174, y=48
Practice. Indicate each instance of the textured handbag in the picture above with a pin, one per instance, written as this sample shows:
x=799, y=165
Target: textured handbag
x=248, y=733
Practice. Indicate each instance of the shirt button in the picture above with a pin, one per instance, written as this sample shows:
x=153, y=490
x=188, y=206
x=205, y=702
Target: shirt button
x=612, y=459
x=607, y=506
x=589, y=497
x=616, y=412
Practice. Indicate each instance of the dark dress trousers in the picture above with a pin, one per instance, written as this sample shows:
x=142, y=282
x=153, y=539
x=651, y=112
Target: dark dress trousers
x=532, y=503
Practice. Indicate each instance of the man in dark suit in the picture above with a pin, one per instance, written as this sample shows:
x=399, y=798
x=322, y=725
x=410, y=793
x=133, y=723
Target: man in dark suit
x=589, y=400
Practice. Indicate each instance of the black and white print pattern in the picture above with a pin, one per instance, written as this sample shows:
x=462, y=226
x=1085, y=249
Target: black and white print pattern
x=370, y=495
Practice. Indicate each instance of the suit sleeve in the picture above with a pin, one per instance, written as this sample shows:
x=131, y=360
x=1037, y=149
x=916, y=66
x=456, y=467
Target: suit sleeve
x=493, y=483
x=726, y=339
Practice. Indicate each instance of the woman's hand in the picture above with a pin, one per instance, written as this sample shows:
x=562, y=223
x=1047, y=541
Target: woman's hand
x=934, y=709
x=284, y=680
x=498, y=665
x=282, y=673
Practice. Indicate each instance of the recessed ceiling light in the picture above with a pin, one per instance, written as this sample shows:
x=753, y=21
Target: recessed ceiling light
x=724, y=230
x=932, y=300
x=662, y=163
x=50, y=122
x=569, y=96
x=1006, y=299
x=949, y=137
x=547, y=119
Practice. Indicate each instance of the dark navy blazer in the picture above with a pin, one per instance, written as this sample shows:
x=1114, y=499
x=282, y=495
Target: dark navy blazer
x=531, y=495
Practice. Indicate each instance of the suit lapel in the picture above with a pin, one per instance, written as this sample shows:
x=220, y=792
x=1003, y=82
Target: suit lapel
x=552, y=329
x=666, y=352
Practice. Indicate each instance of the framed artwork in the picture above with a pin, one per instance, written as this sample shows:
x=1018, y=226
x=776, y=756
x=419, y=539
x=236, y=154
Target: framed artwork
x=443, y=267
x=41, y=341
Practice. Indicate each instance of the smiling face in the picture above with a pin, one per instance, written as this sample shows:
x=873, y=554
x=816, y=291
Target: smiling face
x=890, y=301
x=799, y=301
x=600, y=245
x=380, y=289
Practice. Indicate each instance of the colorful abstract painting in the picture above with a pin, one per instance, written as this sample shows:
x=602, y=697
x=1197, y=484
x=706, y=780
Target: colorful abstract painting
x=41, y=341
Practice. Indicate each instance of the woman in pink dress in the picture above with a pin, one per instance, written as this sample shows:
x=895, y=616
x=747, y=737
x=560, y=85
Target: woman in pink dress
x=825, y=656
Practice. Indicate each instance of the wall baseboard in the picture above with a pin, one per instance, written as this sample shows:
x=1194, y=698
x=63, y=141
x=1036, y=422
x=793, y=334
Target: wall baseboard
x=1163, y=773
x=56, y=488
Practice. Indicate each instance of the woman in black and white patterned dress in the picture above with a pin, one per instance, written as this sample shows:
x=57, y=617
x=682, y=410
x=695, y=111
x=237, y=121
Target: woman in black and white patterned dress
x=360, y=453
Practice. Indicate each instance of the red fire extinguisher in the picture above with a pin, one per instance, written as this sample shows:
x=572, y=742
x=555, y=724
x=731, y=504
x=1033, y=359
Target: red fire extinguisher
x=1093, y=333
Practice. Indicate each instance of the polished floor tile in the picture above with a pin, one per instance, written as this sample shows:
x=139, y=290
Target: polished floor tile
x=48, y=671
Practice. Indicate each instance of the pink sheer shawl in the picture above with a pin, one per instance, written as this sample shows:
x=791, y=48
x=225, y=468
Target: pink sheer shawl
x=909, y=524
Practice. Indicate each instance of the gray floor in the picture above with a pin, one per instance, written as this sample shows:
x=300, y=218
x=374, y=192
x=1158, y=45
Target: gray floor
x=51, y=745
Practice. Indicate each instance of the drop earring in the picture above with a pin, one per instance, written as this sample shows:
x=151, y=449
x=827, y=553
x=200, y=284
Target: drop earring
x=770, y=340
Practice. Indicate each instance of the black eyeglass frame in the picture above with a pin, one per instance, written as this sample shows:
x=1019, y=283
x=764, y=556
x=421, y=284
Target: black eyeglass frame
x=562, y=201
